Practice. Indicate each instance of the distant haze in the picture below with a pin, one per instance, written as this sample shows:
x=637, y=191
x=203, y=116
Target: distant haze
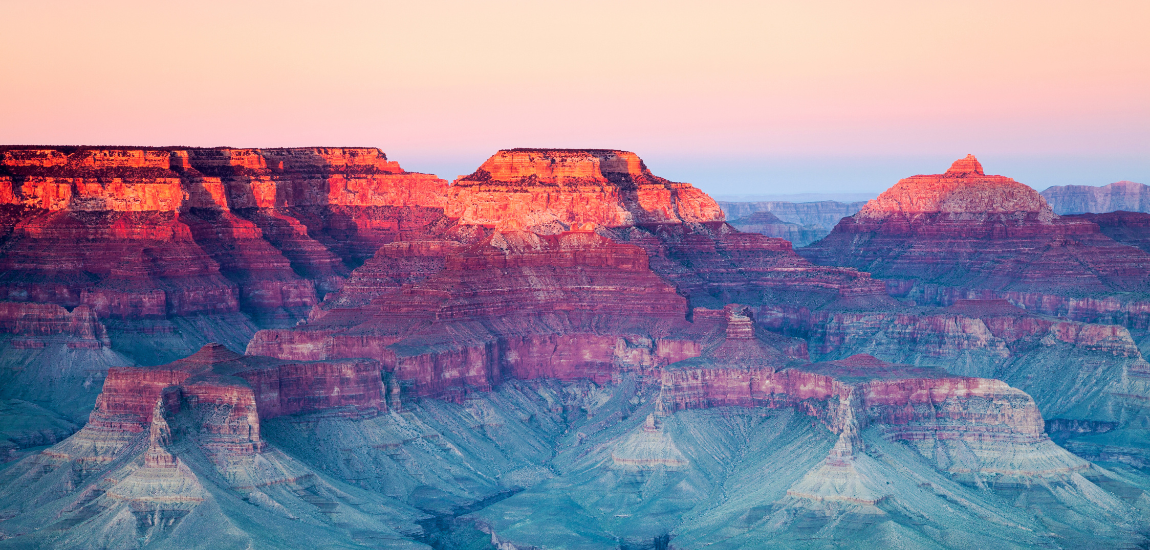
x=740, y=98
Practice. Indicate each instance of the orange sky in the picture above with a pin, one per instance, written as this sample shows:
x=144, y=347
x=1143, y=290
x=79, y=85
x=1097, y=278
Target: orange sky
x=739, y=97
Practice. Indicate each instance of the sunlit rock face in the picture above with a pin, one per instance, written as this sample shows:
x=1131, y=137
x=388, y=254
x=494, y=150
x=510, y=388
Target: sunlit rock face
x=962, y=190
x=190, y=245
x=964, y=234
x=566, y=188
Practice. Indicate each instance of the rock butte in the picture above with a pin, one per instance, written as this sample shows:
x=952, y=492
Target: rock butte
x=566, y=188
x=963, y=234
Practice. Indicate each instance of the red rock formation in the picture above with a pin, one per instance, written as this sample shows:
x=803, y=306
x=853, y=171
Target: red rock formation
x=91, y=179
x=522, y=188
x=571, y=305
x=147, y=232
x=1068, y=367
x=1129, y=228
x=121, y=264
x=909, y=403
x=225, y=394
x=963, y=234
x=393, y=266
x=714, y=264
x=963, y=189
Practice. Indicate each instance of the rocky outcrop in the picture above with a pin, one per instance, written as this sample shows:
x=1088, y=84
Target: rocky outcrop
x=248, y=385
x=577, y=298
x=559, y=189
x=1082, y=199
x=90, y=179
x=1089, y=369
x=963, y=234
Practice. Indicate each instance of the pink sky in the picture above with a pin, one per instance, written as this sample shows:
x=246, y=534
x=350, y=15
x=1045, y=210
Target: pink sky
x=738, y=97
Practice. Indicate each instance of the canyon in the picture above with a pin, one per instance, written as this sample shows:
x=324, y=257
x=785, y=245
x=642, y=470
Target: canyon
x=313, y=346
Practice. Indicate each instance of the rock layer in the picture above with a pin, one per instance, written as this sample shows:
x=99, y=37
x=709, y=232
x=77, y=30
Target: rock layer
x=568, y=188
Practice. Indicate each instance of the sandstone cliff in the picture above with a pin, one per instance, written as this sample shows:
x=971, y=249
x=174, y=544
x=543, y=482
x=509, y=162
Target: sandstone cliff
x=566, y=188
x=198, y=244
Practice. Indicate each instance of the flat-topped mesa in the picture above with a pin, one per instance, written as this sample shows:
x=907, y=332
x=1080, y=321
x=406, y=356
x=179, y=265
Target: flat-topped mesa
x=535, y=188
x=963, y=190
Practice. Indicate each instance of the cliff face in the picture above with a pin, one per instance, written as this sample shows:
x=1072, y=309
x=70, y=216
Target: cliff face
x=259, y=385
x=163, y=234
x=1128, y=228
x=36, y=324
x=566, y=188
x=572, y=305
x=1082, y=199
x=172, y=452
x=963, y=234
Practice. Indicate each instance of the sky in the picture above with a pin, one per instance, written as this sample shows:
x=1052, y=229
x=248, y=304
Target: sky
x=739, y=98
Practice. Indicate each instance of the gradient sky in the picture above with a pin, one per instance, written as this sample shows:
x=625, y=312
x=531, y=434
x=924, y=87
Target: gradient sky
x=740, y=98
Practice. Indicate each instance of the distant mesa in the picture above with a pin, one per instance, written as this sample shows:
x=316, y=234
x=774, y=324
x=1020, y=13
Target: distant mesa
x=1125, y=196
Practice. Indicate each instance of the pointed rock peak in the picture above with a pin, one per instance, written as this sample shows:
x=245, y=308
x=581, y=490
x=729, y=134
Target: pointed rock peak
x=862, y=360
x=216, y=353
x=209, y=355
x=648, y=447
x=965, y=167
